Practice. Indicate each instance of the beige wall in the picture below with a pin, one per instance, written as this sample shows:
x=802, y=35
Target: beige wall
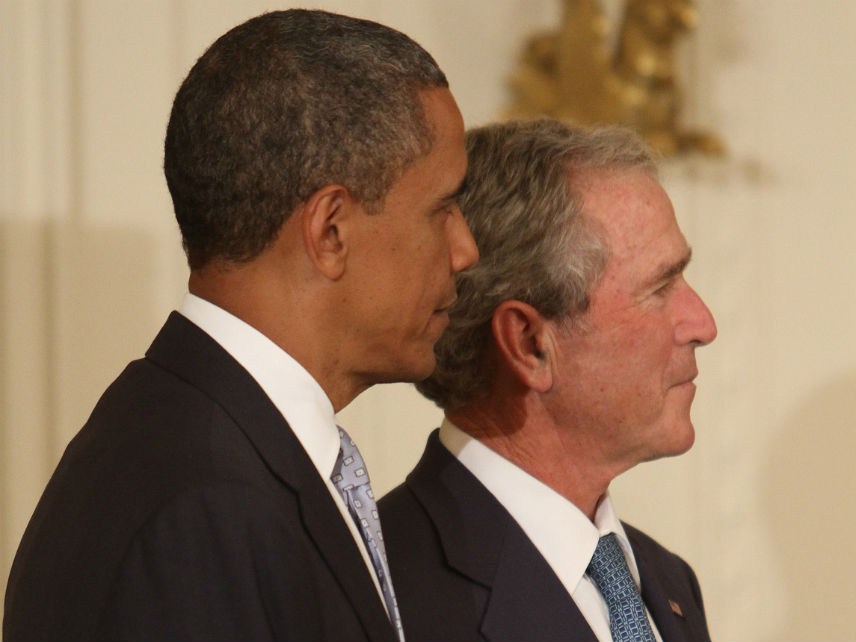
x=762, y=507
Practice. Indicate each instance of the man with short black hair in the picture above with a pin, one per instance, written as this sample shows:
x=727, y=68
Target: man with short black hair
x=314, y=161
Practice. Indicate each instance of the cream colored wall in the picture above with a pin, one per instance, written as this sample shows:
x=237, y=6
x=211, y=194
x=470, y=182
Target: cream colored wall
x=90, y=264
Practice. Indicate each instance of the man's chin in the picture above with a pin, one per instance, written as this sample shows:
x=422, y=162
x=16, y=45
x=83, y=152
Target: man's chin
x=684, y=440
x=681, y=439
x=426, y=369
x=412, y=371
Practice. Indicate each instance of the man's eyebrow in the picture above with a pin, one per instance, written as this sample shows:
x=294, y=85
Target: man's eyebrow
x=455, y=194
x=674, y=269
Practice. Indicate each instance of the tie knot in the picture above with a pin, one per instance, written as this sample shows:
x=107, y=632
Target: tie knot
x=608, y=563
x=350, y=470
x=608, y=569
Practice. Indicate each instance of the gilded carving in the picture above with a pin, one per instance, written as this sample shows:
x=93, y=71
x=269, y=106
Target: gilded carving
x=569, y=73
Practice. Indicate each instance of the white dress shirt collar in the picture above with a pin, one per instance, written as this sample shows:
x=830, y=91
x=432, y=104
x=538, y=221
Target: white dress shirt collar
x=560, y=531
x=294, y=392
x=297, y=396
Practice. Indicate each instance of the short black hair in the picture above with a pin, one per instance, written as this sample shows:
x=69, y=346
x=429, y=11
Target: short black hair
x=282, y=105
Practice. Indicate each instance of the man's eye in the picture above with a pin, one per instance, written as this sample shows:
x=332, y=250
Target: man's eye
x=664, y=289
x=448, y=208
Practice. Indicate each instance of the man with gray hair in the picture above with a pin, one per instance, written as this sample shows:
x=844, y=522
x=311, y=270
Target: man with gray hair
x=314, y=162
x=569, y=358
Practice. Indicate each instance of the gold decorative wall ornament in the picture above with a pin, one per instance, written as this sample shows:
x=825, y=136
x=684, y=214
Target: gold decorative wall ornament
x=570, y=74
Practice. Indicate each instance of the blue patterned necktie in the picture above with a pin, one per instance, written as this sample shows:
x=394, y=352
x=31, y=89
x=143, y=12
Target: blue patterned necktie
x=352, y=481
x=628, y=620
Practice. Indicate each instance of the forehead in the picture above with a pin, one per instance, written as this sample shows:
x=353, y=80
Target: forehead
x=439, y=172
x=633, y=212
x=444, y=119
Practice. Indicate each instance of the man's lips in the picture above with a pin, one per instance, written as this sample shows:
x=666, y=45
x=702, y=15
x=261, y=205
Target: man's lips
x=688, y=379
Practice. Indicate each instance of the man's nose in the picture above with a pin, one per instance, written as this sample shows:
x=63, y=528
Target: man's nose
x=697, y=324
x=462, y=247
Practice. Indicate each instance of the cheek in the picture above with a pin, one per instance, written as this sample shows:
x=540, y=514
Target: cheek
x=637, y=360
x=650, y=337
x=626, y=347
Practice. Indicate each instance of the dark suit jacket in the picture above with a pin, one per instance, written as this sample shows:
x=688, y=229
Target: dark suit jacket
x=187, y=509
x=464, y=570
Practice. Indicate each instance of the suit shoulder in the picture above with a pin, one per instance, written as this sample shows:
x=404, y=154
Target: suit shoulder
x=150, y=440
x=647, y=547
x=407, y=527
x=399, y=499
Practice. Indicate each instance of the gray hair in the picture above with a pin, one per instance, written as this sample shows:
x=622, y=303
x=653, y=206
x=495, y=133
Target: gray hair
x=282, y=105
x=535, y=244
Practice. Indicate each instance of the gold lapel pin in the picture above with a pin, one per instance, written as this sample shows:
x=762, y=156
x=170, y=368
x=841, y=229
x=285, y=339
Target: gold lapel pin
x=676, y=608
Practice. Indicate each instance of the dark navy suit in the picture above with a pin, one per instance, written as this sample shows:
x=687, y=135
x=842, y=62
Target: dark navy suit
x=187, y=509
x=464, y=569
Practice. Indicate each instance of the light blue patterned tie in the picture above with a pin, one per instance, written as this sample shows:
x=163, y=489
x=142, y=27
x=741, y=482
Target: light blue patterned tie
x=352, y=480
x=628, y=621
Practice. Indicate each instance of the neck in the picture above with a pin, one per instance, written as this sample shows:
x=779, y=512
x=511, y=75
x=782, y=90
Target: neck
x=269, y=306
x=518, y=431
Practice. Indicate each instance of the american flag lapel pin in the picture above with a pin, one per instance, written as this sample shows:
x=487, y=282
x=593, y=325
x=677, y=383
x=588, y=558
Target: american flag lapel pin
x=676, y=608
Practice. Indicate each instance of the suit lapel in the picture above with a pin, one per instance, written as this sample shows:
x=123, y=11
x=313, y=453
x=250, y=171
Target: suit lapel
x=673, y=608
x=481, y=541
x=324, y=523
x=187, y=351
x=668, y=621
x=527, y=600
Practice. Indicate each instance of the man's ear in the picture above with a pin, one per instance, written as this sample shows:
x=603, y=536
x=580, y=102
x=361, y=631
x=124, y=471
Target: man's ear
x=322, y=216
x=520, y=334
